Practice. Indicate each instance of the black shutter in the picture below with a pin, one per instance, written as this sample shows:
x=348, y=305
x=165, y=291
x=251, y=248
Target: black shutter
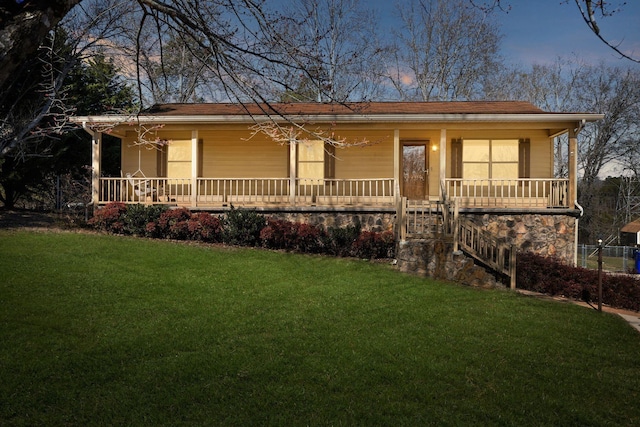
x=524, y=159
x=456, y=158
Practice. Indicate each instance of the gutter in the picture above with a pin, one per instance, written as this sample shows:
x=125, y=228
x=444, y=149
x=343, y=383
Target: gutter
x=87, y=128
x=343, y=118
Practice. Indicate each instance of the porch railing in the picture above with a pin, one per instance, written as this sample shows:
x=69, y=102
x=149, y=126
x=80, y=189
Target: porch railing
x=422, y=218
x=509, y=193
x=249, y=191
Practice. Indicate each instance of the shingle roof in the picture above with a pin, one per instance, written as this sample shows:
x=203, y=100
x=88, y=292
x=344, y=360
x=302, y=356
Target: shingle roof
x=469, y=107
x=632, y=227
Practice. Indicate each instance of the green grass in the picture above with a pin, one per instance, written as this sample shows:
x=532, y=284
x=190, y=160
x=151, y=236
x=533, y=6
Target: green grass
x=102, y=330
x=608, y=263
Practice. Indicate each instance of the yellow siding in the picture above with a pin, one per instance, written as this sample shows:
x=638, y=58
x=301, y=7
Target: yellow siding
x=374, y=160
x=230, y=154
x=229, y=151
x=138, y=158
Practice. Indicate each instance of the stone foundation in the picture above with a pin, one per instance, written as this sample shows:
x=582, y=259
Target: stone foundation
x=547, y=235
x=435, y=258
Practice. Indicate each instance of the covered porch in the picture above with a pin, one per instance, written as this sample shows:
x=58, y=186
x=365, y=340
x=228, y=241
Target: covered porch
x=484, y=155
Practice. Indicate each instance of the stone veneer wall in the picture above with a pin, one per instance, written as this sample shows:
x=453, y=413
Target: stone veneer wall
x=547, y=235
x=435, y=258
x=369, y=221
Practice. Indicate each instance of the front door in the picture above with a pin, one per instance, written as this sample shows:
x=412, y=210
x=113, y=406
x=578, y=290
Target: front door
x=415, y=169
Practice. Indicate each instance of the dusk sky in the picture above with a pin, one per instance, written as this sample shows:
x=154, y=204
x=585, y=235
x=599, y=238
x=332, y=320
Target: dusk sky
x=539, y=31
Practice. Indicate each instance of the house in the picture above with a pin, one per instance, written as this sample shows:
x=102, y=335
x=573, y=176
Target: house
x=380, y=161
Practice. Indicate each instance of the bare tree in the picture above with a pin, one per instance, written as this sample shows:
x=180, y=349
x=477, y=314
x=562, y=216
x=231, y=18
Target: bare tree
x=339, y=48
x=594, y=10
x=615, y=92
x=612, y=141
x=446, y=50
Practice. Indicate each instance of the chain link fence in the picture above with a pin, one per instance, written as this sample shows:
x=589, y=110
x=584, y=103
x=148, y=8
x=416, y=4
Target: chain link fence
x=614, y=258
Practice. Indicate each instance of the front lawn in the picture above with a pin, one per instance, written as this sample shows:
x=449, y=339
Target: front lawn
x=106, y=330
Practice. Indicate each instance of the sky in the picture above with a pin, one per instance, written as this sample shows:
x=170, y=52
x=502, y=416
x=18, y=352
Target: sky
x=539, y=31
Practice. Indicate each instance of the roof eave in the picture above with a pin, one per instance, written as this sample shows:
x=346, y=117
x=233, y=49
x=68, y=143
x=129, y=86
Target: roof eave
x=341, y=118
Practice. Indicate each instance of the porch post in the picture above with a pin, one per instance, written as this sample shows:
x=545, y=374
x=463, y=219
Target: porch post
x=194, y=168
x=573, y=185
x=573, y=168
x=293, y=146
x=396, y=163
x=96, y=150
x=443, y=161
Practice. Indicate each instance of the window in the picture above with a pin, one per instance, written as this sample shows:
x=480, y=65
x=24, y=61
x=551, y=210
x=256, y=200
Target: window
x=177, y=156
x=490, y=158
x=311, y=160
x=315, y=161
x=179, y=159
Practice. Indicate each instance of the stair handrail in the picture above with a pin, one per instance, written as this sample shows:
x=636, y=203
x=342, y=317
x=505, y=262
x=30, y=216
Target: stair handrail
x=486, y=248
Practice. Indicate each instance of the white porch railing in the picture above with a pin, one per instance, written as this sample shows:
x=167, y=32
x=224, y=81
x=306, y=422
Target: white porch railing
x=509, y=193
x=249, y=191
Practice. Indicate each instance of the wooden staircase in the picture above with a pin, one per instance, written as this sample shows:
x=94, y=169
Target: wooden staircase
x=421, y=219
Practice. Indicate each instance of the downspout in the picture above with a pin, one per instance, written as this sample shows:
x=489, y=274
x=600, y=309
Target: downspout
x=575, y=235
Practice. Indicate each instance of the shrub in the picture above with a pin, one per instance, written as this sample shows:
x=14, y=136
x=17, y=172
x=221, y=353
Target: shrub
x=293, y=236
x=205, y=227
x=308, y=238
x=136, y=218
x=276, y=233
x=109, y=218
x=339, y=240
x=550, y=276
x=370, y=245
x=174, y=224
x=242, y=227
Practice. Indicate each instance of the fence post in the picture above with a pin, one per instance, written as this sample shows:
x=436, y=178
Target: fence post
x=600, y=275
x=402, y=218
x=456, y=226
x=512, y=267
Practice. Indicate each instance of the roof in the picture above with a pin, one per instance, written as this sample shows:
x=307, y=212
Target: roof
x=632, y=227
x=316, y=108
x=363, y=112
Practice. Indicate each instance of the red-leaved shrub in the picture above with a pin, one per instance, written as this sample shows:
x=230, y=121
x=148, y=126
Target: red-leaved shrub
x=205, y=227
x=371, y=244
x=550, y=276
x=174, y=224
x=109, y=218
x=293, y=236
x=181, y=224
